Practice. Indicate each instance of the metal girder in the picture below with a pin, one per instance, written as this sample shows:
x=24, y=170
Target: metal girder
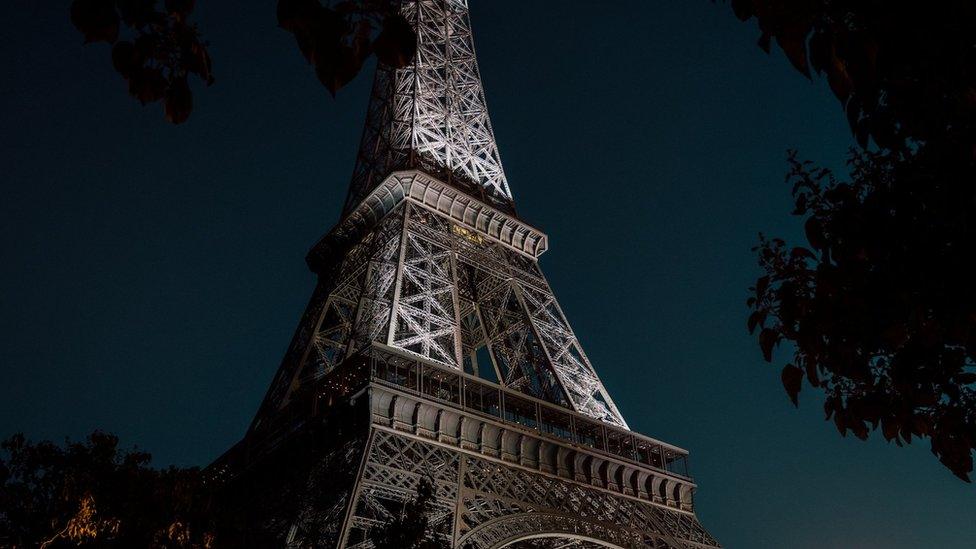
x=430, y=259
x=432, y=114
x=485, y=503
x=417, y=279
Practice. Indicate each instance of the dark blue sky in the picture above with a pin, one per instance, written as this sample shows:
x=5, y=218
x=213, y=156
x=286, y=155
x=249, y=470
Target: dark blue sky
x=152, y=275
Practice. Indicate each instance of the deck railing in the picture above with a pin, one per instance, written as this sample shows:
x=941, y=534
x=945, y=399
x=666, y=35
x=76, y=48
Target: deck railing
x=383, y=364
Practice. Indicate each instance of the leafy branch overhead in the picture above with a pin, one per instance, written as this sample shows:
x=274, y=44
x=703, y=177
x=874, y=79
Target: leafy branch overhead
x=159, y=52
x=160, y=49
x=338, y=39
x=901, y=73
x=879, y=306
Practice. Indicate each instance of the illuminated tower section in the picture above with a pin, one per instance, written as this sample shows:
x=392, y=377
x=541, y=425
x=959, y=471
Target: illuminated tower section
x=433, y=348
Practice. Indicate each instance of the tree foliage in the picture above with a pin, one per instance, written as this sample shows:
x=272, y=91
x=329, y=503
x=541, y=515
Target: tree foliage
x=903, y=72
x=410, y=529
x=161, y=50
x=337, y=39
x=93, y=494
x=880, y=305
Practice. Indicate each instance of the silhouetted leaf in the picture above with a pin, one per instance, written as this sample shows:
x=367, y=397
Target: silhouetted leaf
x=96, y=19
x=821, y=51
x=298, y=15
x=197, y=61
x=336, y=68
x=792, y=381
x=801, y=204
x=840, y=421
x=814, y=233
x=839, y=80
x=764, y=41
x=853, y=111
x=146, y=46
x=181, y=8
x=762, y=284
x=136, y=13
x=756, y=319
x=397, y=43
x=812, y=376
x=178, y=102
x=147, y=85
x=767, y=340
x=410, y=529
x=889, y=428
x=800, y=252
x=742, y=9
x=795, y=48
x=125, y=59
x=325, y=39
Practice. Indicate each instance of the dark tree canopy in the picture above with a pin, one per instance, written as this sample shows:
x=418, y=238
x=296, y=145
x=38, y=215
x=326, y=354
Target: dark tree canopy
x=165, y=49
x=903, y=71
x=94, y=494
x=880, y=305
x=337, y=39
x=410, y=529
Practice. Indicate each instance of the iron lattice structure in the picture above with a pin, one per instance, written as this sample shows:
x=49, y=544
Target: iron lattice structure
x=432, y=114
x=434, y=325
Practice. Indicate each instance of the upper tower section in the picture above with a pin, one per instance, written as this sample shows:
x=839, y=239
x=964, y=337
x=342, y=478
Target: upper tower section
x=431, y=114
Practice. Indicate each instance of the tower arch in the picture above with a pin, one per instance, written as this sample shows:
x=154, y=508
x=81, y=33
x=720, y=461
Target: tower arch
x=558, y=541
x=525, y=530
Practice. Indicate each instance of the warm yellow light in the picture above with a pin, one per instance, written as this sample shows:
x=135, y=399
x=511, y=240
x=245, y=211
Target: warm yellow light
x=468, y=234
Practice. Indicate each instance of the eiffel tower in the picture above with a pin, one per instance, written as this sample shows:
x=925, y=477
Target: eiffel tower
x=434, y=350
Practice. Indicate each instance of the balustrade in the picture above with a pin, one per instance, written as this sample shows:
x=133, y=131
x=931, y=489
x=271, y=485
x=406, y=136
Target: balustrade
x=386, y=365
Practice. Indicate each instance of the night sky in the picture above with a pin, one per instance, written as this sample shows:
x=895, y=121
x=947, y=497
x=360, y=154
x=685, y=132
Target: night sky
x=152, y=275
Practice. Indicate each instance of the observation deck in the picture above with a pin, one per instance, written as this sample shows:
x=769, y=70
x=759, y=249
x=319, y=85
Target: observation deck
x=408, y=393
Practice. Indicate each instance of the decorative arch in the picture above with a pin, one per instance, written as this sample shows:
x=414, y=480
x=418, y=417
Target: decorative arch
x=584, y=542
x=506, y=531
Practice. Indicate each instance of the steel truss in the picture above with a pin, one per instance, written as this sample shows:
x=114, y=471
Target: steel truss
x=485, y=503
x=432, y=114
x=419, y=284
x=430, y=259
